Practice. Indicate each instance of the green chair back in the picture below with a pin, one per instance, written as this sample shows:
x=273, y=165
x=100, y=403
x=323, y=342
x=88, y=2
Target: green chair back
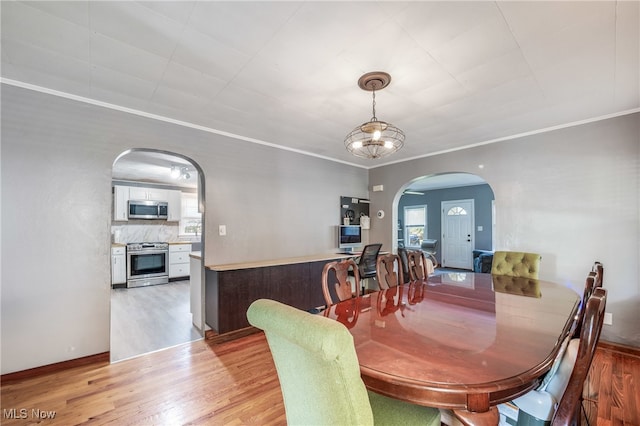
x=516, y=264
x=319, y=372
x=316, y=363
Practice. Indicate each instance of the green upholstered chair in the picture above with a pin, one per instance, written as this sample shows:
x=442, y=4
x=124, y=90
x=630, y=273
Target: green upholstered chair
x=516, y=264
x=319, y=373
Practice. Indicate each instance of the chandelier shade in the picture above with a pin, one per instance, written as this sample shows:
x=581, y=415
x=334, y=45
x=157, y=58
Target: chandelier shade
x=375, y=138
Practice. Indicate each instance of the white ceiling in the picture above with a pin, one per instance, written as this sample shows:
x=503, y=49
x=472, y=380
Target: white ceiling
x=285, y=73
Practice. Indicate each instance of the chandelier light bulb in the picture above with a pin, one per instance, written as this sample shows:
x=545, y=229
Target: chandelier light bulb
x=376, y=135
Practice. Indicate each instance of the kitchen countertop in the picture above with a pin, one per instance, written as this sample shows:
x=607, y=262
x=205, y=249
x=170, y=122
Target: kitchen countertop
x=277, y=262
x=195, y=255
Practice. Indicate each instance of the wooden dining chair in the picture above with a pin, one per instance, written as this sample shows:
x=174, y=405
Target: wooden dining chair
x=343, y=287
x=319, y=373
x=593, y=281
x=516, y=264
x=389, y=271
x=404, y=260
x=598, y=270
x=570, y=405
x=557, y=400
x=419, y=266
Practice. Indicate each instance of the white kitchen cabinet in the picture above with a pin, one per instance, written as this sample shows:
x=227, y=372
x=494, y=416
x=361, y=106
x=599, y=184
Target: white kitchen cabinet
x=179, y=260
x=141, y=193
x=118, y=265
x=174, y=198
x=120, y=202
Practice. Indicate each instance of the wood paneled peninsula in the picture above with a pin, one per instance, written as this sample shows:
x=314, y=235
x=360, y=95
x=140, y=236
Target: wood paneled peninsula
x=231, y=288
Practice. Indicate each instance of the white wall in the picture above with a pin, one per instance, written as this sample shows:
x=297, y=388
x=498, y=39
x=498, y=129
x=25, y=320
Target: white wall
x=571, y=195
x=57, y=156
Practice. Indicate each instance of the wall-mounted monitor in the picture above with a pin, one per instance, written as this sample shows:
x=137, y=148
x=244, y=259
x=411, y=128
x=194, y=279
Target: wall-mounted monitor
x=349, y=237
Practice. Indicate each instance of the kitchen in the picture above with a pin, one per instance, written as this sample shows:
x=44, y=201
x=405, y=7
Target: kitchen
x=156, y=229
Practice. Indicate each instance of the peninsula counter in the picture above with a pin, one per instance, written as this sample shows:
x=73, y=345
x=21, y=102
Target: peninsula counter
x=231, y=288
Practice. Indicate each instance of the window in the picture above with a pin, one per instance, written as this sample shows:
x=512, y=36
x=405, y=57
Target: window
x=191, y=218
x=456, y=211
x=415, y=219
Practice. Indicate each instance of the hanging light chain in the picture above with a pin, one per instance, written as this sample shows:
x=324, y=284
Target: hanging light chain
x=374, y=102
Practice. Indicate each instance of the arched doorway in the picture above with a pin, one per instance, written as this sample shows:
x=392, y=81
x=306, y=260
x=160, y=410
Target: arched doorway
x=449, y=213
x=162, y=308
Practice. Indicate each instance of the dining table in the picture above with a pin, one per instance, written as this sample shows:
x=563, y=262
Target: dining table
x=462, y=341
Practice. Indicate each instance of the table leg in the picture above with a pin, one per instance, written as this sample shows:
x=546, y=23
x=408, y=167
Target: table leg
x=470, y=418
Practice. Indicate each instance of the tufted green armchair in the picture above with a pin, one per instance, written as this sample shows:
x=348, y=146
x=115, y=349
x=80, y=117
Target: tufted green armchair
x=319, y=373
x=516, y=264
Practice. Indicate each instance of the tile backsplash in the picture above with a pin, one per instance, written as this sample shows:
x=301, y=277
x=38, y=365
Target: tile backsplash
x=137, y=233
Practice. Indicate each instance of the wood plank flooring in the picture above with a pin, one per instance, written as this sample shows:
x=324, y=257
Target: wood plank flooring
x=147, y=319
x=612, y=391
x=234, y=383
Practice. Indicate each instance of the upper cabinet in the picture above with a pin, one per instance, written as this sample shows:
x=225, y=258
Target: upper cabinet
x=120, y=202
x=122, y=194
x=175, y=205
x=139, y=193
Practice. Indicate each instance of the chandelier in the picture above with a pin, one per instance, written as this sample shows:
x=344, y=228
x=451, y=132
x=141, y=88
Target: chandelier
x=375, y=138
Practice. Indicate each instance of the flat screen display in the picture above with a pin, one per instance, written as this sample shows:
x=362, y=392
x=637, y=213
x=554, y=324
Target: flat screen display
x=349, y=236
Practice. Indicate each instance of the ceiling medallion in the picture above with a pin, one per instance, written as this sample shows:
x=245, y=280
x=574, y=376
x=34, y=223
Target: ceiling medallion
x=375, y=138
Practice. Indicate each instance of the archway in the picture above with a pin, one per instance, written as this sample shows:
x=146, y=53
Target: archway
x=149, y=314
x=419, y=217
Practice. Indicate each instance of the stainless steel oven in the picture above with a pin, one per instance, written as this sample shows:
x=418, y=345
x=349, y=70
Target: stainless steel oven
x=147, y=264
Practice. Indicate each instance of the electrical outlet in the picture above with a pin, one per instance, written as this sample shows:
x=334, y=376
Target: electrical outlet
x=222, y=230
x=608, y=318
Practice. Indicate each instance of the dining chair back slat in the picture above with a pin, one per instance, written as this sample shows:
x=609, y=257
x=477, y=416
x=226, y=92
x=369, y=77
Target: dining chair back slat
x=389, y=271
x=342, y=286
x=419, y=266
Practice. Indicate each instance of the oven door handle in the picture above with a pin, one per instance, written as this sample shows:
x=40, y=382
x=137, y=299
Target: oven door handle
x=142, y=252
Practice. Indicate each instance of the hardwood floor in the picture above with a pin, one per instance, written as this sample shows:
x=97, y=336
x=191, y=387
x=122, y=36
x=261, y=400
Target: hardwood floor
x=147, y=319
x=232, y=383
x=612, y=392
x=195, y=383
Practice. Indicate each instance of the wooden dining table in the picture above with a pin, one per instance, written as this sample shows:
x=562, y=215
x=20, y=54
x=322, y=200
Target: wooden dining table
x=462, y=341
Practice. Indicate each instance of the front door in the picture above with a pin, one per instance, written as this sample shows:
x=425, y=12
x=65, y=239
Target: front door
x=457, y=234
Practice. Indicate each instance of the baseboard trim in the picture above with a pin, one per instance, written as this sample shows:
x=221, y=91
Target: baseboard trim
x=213, y=338
x=101, y=358
x=619, y=347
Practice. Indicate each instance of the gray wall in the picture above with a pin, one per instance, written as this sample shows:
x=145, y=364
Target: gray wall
x=571, y=195
x=57, y=157
x=482, y=196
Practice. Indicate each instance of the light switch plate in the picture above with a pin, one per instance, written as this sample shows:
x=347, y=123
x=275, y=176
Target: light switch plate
x=222, y=229
x=608, y=318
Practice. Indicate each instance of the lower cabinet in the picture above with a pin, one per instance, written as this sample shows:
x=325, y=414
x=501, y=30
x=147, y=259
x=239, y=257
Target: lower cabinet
x=118, y=265
x=229, y=292
x=179, y=260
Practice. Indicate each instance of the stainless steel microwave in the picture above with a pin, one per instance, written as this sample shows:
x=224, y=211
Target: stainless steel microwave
x=148, y=209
